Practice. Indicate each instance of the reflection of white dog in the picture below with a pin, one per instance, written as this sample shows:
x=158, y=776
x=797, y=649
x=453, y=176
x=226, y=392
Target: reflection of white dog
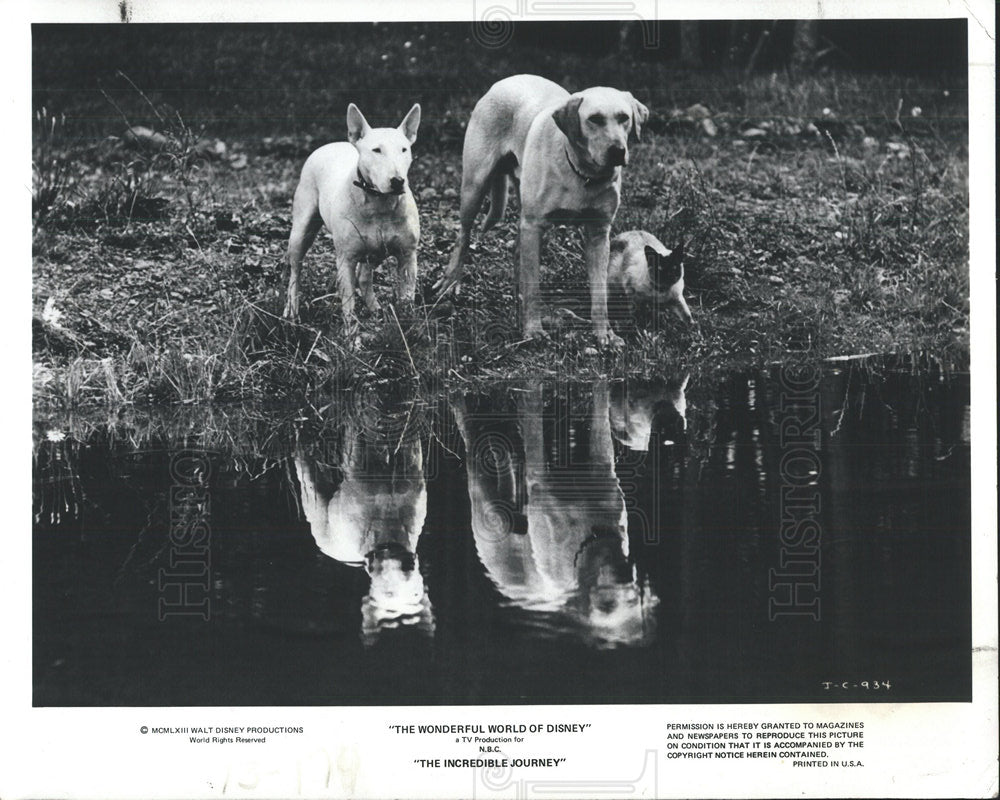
x=373, y=520
x=565, y=544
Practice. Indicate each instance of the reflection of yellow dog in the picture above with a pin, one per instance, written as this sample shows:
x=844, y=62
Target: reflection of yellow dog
x=567, y=152
x=373, y=519
x=551, y=537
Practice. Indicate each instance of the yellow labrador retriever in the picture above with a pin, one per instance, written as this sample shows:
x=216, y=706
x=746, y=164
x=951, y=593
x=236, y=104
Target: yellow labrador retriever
x=566, y=151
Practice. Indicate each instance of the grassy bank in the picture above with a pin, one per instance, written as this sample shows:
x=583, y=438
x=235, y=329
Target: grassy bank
x=826, y=215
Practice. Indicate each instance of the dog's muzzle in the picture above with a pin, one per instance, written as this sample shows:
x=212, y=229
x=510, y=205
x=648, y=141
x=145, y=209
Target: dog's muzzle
x=616, y=156
x=396, y=186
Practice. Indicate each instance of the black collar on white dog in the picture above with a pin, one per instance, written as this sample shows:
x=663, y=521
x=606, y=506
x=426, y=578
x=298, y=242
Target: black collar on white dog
x=588, y=180
x=361, y=183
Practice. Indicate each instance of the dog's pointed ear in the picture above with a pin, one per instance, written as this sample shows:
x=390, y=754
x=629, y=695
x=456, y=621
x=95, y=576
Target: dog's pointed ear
x=639, y=116
x=410, y=123
x=357, y=125
x=652, y=257
x=567, y=119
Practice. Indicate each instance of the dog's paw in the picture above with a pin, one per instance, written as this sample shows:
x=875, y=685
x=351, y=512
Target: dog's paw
x=291, y=308
x=611, y=340
x=535, y=332
x=448, y=284
x=350, y=333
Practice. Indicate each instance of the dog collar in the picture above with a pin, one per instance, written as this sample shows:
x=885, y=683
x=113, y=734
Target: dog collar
x=588, y=180
x=369, y=188
x=391, y=550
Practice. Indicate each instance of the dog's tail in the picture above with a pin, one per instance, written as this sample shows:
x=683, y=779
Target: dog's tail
x=498, y=199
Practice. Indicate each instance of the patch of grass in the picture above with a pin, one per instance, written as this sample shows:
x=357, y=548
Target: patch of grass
x=829, y=210
x=49, y=164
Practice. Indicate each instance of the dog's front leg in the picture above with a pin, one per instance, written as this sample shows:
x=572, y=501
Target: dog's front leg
x=597, y=249
x=406, y=276
x=347, y=283
x=451, y=278
x=291, y=310
x=306, y=224
x=367, y=287
x=528, y=273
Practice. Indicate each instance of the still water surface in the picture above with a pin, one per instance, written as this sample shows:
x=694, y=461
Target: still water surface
x=790, y=535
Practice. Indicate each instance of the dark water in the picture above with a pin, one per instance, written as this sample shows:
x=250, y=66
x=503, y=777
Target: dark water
x=781, y=536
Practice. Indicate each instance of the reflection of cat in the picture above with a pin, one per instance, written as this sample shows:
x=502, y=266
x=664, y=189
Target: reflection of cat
x=636, y=406
x=550, y=523
x=373, y=519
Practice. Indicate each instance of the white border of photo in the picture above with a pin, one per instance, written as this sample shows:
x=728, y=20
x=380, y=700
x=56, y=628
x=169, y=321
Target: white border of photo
x=910, y=750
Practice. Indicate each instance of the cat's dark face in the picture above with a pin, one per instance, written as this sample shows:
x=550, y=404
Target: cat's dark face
x=667, y=274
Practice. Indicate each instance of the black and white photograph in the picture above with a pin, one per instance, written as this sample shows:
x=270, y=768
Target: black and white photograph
x=568, y=367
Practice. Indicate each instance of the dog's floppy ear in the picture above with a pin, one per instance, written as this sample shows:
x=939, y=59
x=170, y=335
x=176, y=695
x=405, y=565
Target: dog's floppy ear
x=639, y=116
x=567, y=118
x=357, y=125
x=410, y=123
